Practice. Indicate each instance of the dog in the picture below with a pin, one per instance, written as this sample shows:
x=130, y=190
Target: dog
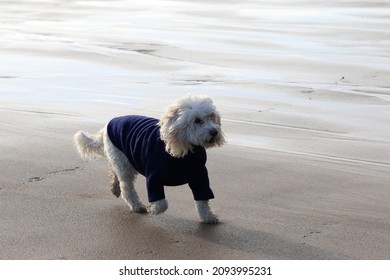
x=169, y=151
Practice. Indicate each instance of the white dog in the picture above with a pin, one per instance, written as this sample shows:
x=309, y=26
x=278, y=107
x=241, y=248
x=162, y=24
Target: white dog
x=168, y=152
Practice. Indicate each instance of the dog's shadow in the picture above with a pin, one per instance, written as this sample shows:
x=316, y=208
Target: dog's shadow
x=166, y=231
x=254, y=243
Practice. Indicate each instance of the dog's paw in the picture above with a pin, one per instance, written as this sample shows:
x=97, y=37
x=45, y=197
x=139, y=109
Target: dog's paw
x=205, y=214
x=158, y=207
x=140, y=208
x=210, y=219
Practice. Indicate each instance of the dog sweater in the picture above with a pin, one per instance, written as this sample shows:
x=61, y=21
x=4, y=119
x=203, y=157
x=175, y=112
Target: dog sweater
x=138, y=137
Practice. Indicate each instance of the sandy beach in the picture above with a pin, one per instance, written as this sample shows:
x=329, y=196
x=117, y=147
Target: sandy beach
x=304, y=92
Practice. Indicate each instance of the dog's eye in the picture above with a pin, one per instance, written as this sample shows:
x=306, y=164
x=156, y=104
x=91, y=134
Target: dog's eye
x=198, y=121
x=212, y=116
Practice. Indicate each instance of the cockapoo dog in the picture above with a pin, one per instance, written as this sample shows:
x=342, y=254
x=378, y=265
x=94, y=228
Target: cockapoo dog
x=168, y=152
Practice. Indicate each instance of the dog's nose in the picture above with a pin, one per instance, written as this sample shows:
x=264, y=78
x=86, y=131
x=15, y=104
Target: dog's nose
x=213, y=132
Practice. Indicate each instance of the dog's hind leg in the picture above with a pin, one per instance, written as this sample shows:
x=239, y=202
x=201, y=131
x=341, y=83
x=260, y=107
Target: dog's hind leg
x=129, y=194
x=114, y=182
x=122, y=176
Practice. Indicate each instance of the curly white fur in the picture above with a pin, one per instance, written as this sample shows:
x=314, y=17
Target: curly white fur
x=188, y=122
x=89, y=146
x=205, y=213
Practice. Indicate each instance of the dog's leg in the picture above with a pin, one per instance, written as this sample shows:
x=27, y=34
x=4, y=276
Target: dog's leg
x=204, y=211
x=124, y=174
x=158, y=207
x=130, y=195
x=114, y=182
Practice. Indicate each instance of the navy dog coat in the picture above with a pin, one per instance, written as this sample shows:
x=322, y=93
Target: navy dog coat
x=138, y=137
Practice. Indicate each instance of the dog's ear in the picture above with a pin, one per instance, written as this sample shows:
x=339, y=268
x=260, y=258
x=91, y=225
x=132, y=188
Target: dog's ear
x=171, y=132
x=220, y=140
x=167, y=119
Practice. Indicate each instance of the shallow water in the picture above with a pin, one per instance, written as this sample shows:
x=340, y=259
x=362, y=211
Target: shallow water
x=286, y=73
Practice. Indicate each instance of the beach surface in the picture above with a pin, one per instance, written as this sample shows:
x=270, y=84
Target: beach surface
x=304, y=93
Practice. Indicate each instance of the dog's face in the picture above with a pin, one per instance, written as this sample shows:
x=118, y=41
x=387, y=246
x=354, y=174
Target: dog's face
x=201, y=126
x=191, y=121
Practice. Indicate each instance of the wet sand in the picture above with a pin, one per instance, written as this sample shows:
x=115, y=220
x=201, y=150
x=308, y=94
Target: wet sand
x=304, y=92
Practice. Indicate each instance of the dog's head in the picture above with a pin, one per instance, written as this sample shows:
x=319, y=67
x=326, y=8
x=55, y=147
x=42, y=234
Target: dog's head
x=190, y=121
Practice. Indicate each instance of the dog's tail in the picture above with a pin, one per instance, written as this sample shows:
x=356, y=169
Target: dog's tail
x=89, y=146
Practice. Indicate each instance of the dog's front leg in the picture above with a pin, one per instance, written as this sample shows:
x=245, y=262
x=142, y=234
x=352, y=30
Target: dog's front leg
x=204, y=211
x=158, y=207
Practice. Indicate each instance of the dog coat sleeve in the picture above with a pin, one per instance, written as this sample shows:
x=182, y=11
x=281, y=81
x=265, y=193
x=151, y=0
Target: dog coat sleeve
x=200, y=185
x=155, y=189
